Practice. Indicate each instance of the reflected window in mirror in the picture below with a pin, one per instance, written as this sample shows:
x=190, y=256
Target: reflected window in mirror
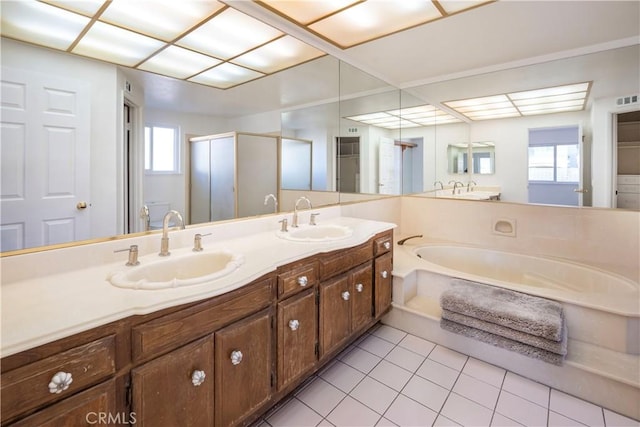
x=161, y=150
x=484, y=158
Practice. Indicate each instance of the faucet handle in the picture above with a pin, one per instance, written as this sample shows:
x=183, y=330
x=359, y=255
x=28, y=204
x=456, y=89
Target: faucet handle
x=284, y=223
x=197, y=241
x=133, y=255
x=312, y=218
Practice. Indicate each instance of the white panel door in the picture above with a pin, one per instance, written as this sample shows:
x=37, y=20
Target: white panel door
x=387, y=182
x=44, y=144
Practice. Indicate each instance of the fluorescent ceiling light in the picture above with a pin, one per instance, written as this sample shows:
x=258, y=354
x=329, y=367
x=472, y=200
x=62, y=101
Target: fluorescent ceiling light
x=178, y=62
x=84, y=7
x=421, y=115
x=116, y=45
x=41, y=24
x=229, y=34
x=346, y=23
x=225, y=76
x=278, y=54
x=162, y=19
x=572, y=97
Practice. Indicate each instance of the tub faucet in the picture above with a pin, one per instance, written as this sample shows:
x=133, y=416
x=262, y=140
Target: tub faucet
x=275, y=201
x=294, y=222
x=455, y=185
x=164, y=242
x=438, y=182
x=401, y=241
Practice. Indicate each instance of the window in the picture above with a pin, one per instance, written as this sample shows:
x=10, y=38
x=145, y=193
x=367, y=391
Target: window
x=554, y=163
x=161, y=150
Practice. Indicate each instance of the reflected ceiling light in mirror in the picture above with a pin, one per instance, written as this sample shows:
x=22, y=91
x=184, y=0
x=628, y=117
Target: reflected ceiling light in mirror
x=421, y=115
x=349, y=23
x=557, y=99
x=225, y=76
x=278, y=55
x=178, y=62
x=41, y=24
x=229, y=34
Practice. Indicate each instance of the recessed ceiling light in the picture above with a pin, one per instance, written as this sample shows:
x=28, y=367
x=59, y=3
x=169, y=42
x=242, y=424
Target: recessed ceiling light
x=305, y=12
x=225, y=76
x=177, y=62
x=421, y=115
x=278, y=54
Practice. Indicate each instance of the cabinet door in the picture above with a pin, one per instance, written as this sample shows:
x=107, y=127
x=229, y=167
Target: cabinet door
x=383, y=283
x=362, y=295
x=244, y=364
x=335, y=313
x=297, y=336
x=91, y=406
x=171, y=390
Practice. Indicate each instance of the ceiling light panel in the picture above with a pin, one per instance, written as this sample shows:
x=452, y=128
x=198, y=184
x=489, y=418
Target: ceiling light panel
x=178, y=62
x=116, y=45
x=162, y=19
x=456, y=6
x=551, y=91
x=41, y=24
x=307, y=11
x=373, y=19
x=228, y=34
x=277, y=55
x=225, y=76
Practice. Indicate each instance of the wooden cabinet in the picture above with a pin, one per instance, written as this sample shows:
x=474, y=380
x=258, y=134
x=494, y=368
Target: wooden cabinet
x=219, y=362
x=177, y=388
x=244, y=366
x=297, y=337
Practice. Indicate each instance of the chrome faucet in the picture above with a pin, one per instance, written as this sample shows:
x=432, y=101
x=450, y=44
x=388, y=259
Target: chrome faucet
x=470, y=185
x=275, y=201
x=294, y=222
x=455, y=185
x=164, y=242
x=438, y=182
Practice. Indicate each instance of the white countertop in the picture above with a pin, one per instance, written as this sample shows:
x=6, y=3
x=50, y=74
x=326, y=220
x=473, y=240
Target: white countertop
x=42, y=307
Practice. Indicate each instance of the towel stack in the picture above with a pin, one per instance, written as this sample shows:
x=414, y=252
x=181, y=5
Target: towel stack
x=519, y=322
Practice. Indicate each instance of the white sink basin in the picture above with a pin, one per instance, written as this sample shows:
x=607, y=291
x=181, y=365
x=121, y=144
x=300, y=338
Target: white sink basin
x=172, y=272
x=316, y=233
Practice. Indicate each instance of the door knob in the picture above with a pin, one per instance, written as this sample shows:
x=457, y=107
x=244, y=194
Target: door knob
x=81, y=205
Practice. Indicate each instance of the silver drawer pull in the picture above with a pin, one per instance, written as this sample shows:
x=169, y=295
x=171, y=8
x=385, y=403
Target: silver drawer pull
x=294, y=324
x=384, y=274
x=303, y=281
x=345, y=295
x=387, y=245
x=197, y=377
x=60, y=382
x=359, y=287
x=236, y=357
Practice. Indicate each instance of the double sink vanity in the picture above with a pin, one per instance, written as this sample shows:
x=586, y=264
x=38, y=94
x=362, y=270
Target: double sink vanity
x=208, y=337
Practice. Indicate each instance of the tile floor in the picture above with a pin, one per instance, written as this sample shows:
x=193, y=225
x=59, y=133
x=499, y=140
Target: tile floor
x=391, y=378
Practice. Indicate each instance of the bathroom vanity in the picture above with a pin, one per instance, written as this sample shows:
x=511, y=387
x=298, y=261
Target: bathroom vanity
x=222, y=360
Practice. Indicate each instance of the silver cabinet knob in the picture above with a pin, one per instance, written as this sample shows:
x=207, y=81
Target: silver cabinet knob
x=197, y=377
x=359, y=287
x=387, y=245
x=294, y=324
x=345, y=295
x=60, y=382
x=384, y=274
x=236, y=357
x=303, y=281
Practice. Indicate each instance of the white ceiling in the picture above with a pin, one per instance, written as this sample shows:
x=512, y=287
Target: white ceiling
x=494, y=37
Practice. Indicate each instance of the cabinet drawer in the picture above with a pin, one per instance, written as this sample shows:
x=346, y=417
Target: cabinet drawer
x=28, y=387
x=628, y=201
x=340, y=261
x=166, y=333
x=629, y=188
x=628, y=179
x=299, y=278
x=382, y=244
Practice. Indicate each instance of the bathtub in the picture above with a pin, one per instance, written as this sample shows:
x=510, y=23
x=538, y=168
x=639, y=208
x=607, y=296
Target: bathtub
x=602, y=311
x=542, y=276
